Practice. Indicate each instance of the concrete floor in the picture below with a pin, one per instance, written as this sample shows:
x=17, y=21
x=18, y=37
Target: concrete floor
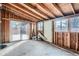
x=35, y=48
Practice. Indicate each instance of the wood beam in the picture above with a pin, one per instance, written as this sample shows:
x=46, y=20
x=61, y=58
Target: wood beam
x=53, y=9
x=5, y=30
x=33, y=10
x=72, y=8
x=0, y=5
x=43, y=9
x=66, y=8
x=17, y=12
x=76, y=7
x=24, y=11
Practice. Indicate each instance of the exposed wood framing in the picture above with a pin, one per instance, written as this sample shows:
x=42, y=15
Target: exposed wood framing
x=27, y=12
x=43, y=11
x=33, y=10
x=53, y=9
x=42, y=8
x=19, y=13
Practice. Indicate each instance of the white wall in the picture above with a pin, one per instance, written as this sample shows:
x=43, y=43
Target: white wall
x=48, y=30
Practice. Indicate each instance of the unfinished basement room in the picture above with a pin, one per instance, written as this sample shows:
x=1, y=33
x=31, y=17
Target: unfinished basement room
x=39, y=29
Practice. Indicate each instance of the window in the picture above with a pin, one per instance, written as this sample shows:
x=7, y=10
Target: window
x=74, y=24
x=61, y=25
x=64, y=25
x=23, y=28
x=40, y=26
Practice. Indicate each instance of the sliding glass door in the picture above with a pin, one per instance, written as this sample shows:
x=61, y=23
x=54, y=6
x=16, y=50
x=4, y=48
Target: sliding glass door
x=24, y=30
x=14, y=30
x=19, y=30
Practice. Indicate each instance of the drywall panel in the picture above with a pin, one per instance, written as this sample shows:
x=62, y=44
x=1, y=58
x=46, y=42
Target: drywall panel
x=48, y=30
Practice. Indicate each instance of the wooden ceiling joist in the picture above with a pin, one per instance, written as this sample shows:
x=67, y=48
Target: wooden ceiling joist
x=42, y=8
x=33, y=10
x=43, y=11
x=21, y=14
x=25, y=11
x=53, y=9
x=76, y=7
x=0, y=4
x=66, y=8
x=72, y=9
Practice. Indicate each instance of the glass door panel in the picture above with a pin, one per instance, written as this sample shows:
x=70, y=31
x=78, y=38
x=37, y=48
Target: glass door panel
x=25, y=30
x=15, y=30
x=19, y=30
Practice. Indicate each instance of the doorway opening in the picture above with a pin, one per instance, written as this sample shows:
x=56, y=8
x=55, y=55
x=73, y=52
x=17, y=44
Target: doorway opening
x=19, y=30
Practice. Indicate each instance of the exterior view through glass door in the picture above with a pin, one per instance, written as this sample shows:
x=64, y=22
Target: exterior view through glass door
x=19, y=30
x=24, y=30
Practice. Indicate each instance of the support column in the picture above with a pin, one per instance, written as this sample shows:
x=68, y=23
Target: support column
x=0, y=28
x=5, y=30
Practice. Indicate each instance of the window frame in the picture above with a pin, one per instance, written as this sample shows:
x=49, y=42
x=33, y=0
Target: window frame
x=72, y=28
x=60, y=29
